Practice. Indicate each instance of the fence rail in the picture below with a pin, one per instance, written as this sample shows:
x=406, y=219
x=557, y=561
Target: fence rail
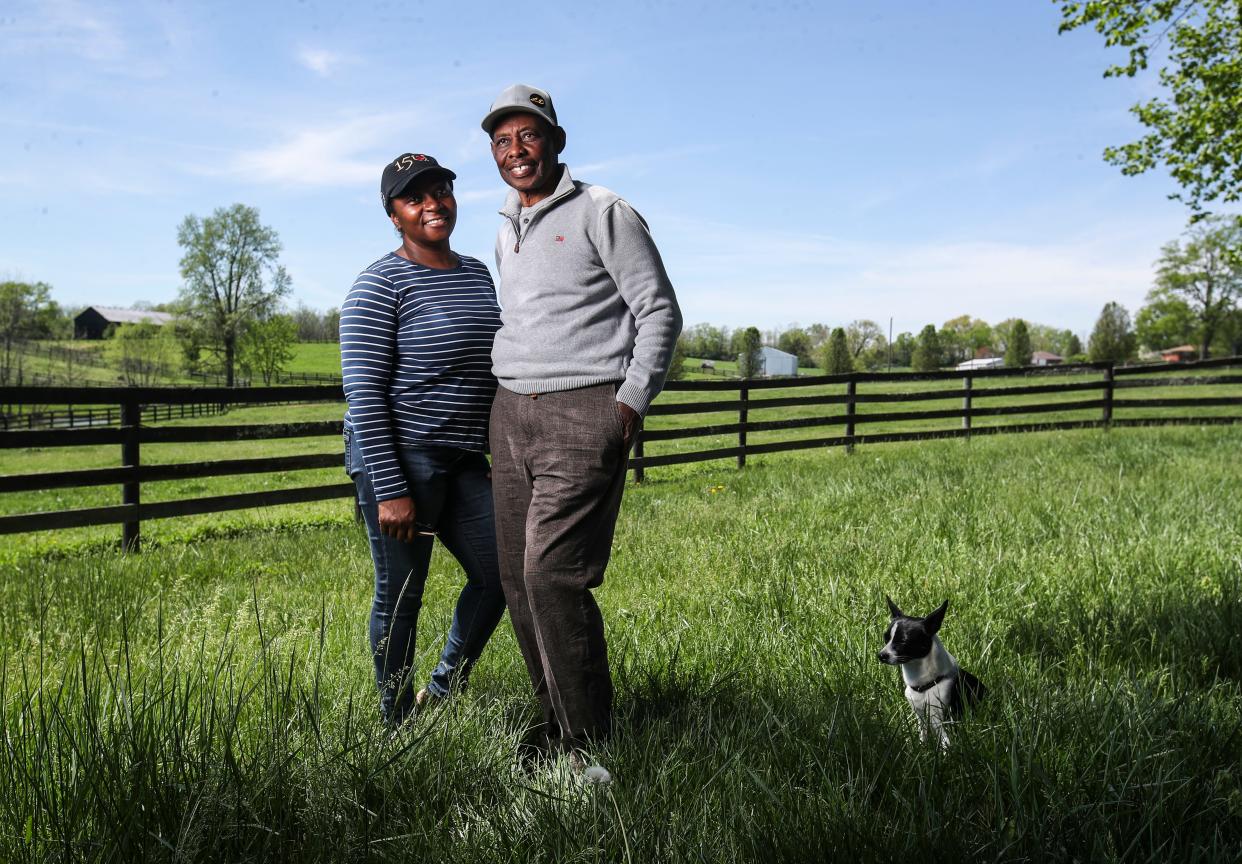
x=70, y=417
x=212, y=379
x=850, y=409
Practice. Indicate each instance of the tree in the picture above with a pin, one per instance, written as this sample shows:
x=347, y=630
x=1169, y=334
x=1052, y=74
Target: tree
x=677, y=365
x=819, y=334
x=837, y=357
x=706, y=342
x=927, y=352
x=1002, y=334
x=962, y=337
x=266, y=346
x=737, y=342
x=314, y=326
x=1062, y=343
x=232, y=276
x=1018, y=351
x=1205, y=273
x=1043, y=337
x=144, y=352
x=797, y=341
x=1165, y=321
x=26, y=312
x=191, y=340
x=903, y=349
x=750, y=358
x=1112, y=339
x=861, y=335
x=1195, y=131
x=1230, y=339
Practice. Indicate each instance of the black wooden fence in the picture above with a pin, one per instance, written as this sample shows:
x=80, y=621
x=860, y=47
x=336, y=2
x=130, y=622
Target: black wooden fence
x=1103, y=402
x=851, y=409
x=132, y=473
x=70, y=417
x=214, y=379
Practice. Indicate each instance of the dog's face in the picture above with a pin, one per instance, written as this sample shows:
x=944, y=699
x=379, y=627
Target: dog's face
x=908, y=638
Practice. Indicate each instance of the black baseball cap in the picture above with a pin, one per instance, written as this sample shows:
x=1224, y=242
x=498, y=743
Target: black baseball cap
x=404, y=170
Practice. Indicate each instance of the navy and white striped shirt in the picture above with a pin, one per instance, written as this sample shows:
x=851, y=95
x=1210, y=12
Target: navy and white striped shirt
x=416, y=348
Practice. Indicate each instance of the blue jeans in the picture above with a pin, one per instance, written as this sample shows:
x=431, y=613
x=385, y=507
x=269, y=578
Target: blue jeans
x=452, y=493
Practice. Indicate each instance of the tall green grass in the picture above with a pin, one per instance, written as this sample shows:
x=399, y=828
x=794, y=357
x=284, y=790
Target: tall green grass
x=211, y=700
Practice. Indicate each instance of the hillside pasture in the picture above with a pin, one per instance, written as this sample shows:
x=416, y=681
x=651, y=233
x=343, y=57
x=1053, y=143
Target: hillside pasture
x=210, y=698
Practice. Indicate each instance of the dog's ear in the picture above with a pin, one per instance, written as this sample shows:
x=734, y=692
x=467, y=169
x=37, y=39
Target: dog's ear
x=933, y=621
x=892, y=608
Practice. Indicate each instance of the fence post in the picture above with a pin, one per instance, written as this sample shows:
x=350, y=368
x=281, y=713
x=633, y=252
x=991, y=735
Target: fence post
x=967, y=403
x=1108, y=395
x=638, y=454
x=131, y=420
x=851, y=391
x=743, y=396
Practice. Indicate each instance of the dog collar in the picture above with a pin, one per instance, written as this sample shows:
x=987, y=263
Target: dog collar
x=923, y=688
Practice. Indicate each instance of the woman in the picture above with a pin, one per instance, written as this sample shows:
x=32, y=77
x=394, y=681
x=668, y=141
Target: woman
x=416, y=341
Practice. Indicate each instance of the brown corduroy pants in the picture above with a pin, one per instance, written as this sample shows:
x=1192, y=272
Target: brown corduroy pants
x=558, y=472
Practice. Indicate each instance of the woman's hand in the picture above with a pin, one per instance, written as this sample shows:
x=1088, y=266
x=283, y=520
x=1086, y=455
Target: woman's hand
x=396, y=519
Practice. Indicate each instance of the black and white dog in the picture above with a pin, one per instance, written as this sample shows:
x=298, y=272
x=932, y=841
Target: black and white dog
x=938, y=688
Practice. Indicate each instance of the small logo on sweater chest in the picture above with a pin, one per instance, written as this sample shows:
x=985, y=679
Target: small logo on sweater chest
x=560, y=238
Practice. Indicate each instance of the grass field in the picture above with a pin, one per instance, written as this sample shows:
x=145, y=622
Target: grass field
x=323, y=358
x=95, y=368
x=34, y=460
x=210, y=698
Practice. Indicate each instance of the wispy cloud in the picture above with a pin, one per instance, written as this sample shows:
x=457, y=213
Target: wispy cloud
x=986, y=165
x=64, y=27
x=634, y=164
x=1060, y=284
x=321, y=61
x=343, y=154
x=724, y=269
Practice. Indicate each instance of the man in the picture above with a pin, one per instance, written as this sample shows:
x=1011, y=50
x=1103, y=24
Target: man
x=588, y=324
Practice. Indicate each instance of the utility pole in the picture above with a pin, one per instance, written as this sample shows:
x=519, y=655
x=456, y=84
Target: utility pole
x=890, y=343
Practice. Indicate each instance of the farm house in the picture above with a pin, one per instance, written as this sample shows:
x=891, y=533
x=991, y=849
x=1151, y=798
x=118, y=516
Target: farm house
x=1179, y=354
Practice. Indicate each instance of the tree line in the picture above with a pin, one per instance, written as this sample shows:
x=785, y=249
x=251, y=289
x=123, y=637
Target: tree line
x=230, y=317
x=862, y=344
x=1194, y=301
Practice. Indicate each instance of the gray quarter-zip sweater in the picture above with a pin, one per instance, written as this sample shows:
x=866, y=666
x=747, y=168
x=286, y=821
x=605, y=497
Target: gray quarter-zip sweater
x=584, y=297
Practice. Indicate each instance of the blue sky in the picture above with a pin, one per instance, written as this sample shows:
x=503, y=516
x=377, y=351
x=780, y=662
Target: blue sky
x=797, y=161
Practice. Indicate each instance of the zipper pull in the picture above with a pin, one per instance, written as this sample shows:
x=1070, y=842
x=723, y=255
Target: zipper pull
x=516, y=244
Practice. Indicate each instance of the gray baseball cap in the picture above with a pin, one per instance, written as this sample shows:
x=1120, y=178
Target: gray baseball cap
x=520, y=97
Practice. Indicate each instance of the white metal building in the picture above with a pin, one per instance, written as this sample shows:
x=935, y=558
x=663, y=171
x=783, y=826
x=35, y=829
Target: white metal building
x=981, y=363
x=776, y=362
